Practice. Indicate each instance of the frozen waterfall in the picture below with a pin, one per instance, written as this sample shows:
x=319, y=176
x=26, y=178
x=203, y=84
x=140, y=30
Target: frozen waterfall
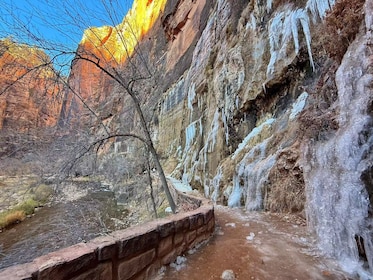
x=338, y=207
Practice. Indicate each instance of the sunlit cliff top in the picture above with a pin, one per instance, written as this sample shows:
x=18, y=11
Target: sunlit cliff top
x=21, y=58
x=21, y=51
x=118, y=42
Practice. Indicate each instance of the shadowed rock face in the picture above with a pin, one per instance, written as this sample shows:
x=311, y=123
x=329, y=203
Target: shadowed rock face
x=30, y=92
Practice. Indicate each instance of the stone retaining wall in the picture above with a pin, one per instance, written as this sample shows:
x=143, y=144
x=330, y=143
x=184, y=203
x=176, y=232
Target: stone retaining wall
x=134, y=253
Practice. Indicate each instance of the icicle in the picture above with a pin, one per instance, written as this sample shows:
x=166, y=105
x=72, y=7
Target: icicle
x=294, y=16
x=190, y=133
x=275, y=32
x=318, y=8
x=307, y=33
x=226, y=128
x=251, y=24
x=207, y=148
x=117, y=146
x=174, y=96
x=191, y=96
x=284, y=26
x=216, y=184
x=211, y=139
x=269, y=5
x=234, y=199
x=200, y=126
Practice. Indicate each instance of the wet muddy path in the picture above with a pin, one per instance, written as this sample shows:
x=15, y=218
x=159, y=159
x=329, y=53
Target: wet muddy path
x=256, y=246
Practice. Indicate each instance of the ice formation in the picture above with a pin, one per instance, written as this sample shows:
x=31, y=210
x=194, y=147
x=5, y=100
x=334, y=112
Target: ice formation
x=216, y=184
x=180, y=186
x=191, y=96
x=226, y=128
x=298, y=105
x=338, y=202
x=190, y=134
x=256, y=131
x=269, y=5
x=189, y=155
x=251, y=176
x=318, y=8
x=174, y=96
x=282, y=28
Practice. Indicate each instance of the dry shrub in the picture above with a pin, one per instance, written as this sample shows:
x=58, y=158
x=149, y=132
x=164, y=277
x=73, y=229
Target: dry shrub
x=319, y=119
x=341, y=25
x=18, y=213
x=15, y=217
x=11, y=217
x=286, y=194
x=42, y=193
x=27, y=207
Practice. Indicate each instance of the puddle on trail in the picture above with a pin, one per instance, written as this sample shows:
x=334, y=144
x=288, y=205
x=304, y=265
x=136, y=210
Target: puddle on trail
x=255, y=246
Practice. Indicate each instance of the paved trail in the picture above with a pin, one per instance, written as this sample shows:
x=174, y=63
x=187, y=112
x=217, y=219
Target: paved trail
x=256, y=246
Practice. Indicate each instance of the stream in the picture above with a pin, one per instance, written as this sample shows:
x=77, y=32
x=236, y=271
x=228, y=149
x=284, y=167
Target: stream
x=82, y=212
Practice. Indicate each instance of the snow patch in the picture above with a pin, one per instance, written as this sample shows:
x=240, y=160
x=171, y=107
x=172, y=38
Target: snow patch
x=233, y=225
x=250, y=237
x=180, y=186
x=179, y=263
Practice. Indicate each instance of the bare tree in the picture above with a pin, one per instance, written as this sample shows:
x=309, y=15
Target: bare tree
x=126, y=72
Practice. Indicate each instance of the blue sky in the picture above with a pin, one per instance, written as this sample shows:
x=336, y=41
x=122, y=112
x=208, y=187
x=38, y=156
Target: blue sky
x=57, y=24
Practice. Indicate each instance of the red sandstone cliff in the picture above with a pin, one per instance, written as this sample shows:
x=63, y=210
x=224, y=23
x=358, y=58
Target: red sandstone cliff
x=162, y=34
x=30, y=91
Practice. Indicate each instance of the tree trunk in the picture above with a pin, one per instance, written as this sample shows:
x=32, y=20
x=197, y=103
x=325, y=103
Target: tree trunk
x=154, y=153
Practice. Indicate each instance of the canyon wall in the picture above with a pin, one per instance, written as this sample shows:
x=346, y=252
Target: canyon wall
x=29, y=88
x=264, y=105
x=273, y=112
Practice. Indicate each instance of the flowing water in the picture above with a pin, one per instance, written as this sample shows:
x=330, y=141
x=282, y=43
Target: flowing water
x=90, y=211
